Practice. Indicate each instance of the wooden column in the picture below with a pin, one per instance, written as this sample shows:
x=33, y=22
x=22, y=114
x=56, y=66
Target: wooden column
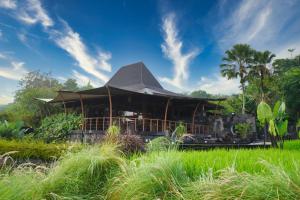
x=64, y=103
x=82, y=108
x=166, y=114
x=82, y=112
x=110, y=106
x=194, y=113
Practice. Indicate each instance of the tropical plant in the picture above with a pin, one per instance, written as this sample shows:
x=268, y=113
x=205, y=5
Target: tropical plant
x=243, y=129
x=159, y=144
x=237, y=61
x=58, y=127
x=276, y=120
x=130, y=144
x=11, y=129
x=113, y=131
x=260, y=68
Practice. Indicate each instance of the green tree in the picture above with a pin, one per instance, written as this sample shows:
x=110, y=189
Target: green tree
x=237, y=60
x=71, y=85
x=26, y=106
x=88, y=86
x=260, y=69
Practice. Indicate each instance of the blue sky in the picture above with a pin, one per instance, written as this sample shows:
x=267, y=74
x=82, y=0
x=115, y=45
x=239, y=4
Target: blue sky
x=181, y=42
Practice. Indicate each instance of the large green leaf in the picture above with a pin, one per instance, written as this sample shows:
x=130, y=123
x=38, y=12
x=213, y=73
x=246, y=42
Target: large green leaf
x=272, y=127
x=264, y=113
x=282, y=128
x=276, y=109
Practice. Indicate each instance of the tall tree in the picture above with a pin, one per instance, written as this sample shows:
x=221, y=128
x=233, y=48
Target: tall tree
x=237, y=61
x=260, y=69
x=71, y=85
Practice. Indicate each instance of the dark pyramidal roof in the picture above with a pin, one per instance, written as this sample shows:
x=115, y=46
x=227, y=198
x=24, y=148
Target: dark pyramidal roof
x=137, y=78
x=134, y=78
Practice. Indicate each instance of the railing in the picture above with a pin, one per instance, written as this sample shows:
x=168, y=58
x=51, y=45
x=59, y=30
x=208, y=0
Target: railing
x=140, y=125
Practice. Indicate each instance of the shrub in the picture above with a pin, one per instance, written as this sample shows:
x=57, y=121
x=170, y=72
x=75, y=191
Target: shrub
x=57, y=127
x=243, y=129
x=131, y=144
x=11, y=129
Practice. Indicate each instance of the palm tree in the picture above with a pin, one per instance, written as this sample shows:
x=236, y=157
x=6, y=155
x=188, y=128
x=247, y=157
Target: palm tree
x=237, y=61
x=260, y=68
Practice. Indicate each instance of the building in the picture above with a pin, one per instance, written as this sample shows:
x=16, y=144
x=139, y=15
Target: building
x=135, y=101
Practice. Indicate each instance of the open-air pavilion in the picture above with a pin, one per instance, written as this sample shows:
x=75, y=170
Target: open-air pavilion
x=134, y=100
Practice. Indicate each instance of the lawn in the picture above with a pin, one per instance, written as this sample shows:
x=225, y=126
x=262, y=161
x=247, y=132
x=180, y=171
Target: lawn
x=103, y=172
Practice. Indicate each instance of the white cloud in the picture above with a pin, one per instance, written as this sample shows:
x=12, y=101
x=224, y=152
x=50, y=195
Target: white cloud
x=15, y=71
x=262, y=24
x=219, y=85
x=34, y=13
x=5, y=99
x=172, y=49
x=83, y=80
x=72, y=43
x=8, y=4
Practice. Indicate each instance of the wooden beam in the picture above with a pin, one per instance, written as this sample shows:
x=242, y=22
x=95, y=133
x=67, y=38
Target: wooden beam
x=82, y=112
x=166, y=114
x=63, y=101
x=194, y=113
x=110, y=106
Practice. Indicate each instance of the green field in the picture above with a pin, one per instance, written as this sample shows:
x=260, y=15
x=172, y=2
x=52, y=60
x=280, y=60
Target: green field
x=103, y=172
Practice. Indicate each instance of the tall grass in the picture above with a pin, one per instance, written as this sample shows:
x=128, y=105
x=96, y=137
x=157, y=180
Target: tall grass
x=102, y=172
x=35, y=149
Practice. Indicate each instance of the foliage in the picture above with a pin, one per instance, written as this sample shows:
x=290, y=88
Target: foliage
x=290, y=84
x=237, y=60
x=276, y=119
x=180, y=130
x=11, y=129
x=131, y=144
x=159, y=144
x=113, y=133
x=57, y=127
x=260, y=70
x=33, y=149
x=264, y=113
x=243, y=129
x=203, y=94
x=70, y=85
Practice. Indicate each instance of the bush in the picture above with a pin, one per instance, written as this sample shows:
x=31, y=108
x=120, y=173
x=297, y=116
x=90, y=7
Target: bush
x=35, y=149
x=57, y=127
x=11, y=129
x=243, y=129
x=131, y=144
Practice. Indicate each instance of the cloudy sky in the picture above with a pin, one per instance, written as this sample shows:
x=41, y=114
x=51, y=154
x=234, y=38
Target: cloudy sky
x=181, y=42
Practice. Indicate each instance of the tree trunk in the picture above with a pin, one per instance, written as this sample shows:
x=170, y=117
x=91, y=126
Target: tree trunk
x=243, y=98
x=262, y=85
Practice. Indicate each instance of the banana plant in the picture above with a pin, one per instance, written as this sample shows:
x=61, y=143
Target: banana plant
x=276, y=120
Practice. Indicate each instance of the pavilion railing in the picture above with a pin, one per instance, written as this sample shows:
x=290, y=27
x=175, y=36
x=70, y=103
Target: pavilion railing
x=140, y=125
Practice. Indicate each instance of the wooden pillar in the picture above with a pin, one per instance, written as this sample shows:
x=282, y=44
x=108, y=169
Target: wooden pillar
x=82, y=112
x=110, y=106
x=166, y=114
x=193, y=120
x=64, y=103
x=82, y=108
